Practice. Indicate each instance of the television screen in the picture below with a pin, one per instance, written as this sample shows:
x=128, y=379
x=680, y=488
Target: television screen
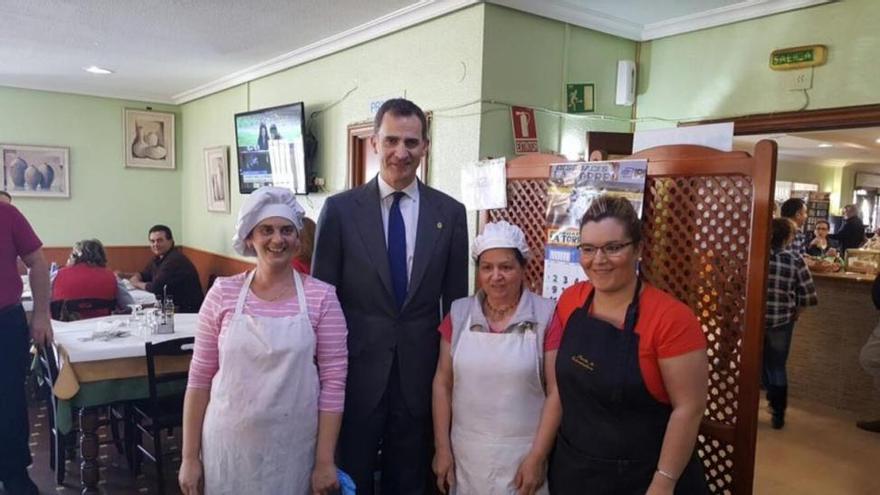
x=270, y=149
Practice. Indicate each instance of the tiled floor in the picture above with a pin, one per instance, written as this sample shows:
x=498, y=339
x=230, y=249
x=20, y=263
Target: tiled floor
x=115, y=477
x=819, y=452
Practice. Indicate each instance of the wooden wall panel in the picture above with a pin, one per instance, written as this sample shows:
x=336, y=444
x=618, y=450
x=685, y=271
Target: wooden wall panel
x=135, y=258
x=122, y=258
x=208, y=264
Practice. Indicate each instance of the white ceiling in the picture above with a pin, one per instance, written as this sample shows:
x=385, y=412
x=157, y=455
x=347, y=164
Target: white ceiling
x=847, y=146
x=175, y=51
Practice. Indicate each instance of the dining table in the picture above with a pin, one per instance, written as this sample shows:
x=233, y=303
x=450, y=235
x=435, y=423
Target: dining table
x=142, y=297
x=101, y=361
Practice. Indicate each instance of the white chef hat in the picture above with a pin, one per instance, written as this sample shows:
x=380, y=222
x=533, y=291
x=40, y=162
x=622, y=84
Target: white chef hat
x=500, y=235
x=264, y=203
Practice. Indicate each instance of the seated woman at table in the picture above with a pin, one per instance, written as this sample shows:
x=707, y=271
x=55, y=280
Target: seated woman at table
x=821, y=245
x=266, y=388
x=86, y=276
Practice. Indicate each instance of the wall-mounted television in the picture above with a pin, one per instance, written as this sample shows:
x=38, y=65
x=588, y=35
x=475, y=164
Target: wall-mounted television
x=269, y=143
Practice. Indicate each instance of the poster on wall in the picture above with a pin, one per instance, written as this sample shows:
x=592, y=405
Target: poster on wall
x=573, y=186
x=484, y=184
x=35, y=171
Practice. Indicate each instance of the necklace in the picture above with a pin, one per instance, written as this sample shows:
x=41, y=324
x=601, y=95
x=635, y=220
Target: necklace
x=496, y=313
x=278, y=296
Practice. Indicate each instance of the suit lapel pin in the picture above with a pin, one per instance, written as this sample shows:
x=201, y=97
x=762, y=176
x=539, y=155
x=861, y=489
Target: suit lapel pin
x=439, y=225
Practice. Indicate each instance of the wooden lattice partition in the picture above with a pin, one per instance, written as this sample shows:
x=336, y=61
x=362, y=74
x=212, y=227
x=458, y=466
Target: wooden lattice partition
x=706, y=225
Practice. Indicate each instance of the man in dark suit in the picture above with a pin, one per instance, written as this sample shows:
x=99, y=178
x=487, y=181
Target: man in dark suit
x=396, y=250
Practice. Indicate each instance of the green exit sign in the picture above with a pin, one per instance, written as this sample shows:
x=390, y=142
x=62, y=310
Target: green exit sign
x=798, y=57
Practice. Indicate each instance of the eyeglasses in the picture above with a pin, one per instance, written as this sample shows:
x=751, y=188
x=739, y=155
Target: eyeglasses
x=612, y=249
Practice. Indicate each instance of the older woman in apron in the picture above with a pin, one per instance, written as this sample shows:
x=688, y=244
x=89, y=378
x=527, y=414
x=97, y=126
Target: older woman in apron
x=266, y=388
x=491, y=427
x=632, y=372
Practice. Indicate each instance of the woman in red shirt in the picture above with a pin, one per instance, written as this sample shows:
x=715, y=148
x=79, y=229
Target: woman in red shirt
x=631, y=371
x=86, y=276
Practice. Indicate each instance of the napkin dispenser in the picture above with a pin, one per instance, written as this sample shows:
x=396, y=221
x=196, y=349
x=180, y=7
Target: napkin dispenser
x=166, y=317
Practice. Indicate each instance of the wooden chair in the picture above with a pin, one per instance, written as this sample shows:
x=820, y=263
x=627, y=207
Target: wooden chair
x=161, y=411
x=79, y=309
x=63, y=445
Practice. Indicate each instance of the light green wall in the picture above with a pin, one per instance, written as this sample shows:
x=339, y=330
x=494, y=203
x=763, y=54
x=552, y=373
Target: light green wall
x=436, y=64
x=723, y=71
x=527, y=60
x=107, y=201
x=796, y=171
x=848, y=179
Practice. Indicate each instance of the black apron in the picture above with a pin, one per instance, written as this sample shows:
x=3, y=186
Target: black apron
x=612, y=428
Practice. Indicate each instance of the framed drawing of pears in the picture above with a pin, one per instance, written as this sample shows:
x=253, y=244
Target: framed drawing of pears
x=148, y=139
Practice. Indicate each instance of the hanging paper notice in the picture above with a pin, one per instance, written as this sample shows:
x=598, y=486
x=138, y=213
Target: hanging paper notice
x=573, y=186
x=484, y=184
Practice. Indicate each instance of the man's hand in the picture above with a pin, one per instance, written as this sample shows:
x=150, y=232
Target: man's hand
x=41, y=329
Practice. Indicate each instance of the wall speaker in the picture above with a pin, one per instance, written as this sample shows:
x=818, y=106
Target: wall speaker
x=626, y=82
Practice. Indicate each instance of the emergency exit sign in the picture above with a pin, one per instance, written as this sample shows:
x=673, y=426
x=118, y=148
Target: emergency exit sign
x=798, y=57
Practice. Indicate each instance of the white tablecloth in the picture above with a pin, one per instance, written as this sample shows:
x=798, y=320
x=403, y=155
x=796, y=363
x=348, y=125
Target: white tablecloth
x=68, y=335
x=141, y=297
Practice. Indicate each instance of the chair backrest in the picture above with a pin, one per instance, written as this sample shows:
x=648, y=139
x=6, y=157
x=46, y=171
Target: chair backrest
x=49, y=375
x=79, y=309
x=169, y=348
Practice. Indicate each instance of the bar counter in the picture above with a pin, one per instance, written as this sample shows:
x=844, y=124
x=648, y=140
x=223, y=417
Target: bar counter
x=823, y=366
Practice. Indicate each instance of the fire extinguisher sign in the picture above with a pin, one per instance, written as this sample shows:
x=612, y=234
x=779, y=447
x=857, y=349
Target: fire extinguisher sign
x=525, y=132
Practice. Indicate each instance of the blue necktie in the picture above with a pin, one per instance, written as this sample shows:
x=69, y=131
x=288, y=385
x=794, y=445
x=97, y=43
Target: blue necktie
x=397, y=250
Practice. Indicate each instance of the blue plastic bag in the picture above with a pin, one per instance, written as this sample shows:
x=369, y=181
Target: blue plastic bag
x=346, y=484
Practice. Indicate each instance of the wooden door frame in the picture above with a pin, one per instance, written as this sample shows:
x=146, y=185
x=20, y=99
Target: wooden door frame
x=807, y=120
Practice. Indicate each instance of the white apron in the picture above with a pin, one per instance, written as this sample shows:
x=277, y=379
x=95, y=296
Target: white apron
x=261, y=424
x=497, y=401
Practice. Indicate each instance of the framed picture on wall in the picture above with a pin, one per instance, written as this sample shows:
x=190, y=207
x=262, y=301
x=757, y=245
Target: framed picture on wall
x=217, y=178
x=35, y=171
x=148, y=139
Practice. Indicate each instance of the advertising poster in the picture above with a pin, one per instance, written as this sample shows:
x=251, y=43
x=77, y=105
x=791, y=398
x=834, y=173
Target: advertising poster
x=573, y=186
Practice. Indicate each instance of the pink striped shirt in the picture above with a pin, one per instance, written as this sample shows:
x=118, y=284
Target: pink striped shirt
x=326, y=317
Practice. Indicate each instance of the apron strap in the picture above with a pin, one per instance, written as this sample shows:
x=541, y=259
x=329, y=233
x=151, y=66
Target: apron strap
x=300, y=293
x=242, y=295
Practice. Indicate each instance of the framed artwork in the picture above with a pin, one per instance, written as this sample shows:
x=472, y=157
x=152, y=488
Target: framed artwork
x=149, y=139
x=35, y=171
x=217, y=178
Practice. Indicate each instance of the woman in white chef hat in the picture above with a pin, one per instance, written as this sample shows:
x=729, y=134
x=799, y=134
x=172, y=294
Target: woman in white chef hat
x=266, y=384
x=491, y=429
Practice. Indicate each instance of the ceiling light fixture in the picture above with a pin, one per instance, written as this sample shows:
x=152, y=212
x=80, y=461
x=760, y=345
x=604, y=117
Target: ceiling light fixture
x=94, y=69
x=825, y=145
x=877, y=140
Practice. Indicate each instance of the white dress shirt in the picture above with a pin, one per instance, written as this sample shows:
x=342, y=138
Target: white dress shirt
x=409, y=209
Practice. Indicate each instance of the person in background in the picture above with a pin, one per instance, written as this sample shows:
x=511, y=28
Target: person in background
x=493, y=356
x=852, y=234
x=396, y=250
x=86, y=276
x=631, y=368
x=869, y=358
x=821, y=245
x=302, y=260
x=263, y=138
x=18, y=240
x=795, y=209
x=266, y=387
x=789, y=288
x=5, y=197
x=171, y=271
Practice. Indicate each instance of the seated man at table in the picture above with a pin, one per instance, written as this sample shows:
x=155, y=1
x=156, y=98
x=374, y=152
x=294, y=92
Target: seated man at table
x=169, y=272
x=86, y=276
